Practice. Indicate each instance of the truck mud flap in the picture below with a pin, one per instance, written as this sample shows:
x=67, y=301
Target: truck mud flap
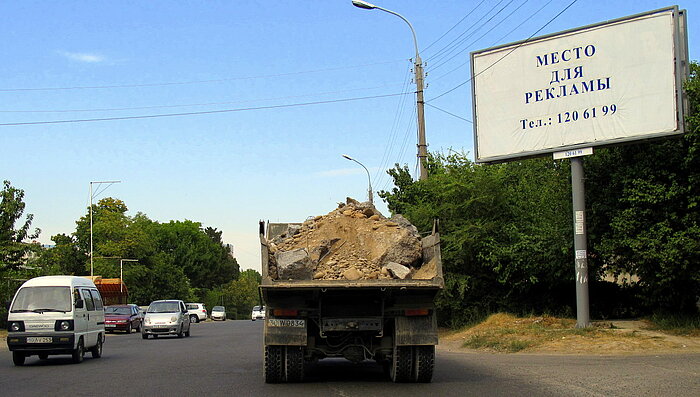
x=288, y=332
x=419, y=330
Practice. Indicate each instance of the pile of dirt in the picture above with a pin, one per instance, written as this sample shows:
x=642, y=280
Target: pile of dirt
x=353, y=242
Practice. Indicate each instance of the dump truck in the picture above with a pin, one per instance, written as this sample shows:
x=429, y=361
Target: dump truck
x=389, y=320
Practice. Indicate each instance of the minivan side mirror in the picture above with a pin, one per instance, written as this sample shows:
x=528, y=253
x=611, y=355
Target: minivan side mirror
x=79, y=304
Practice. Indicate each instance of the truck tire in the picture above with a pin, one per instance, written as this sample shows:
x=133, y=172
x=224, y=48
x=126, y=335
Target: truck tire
x=294, y=363
x=401, y=369
x=273, y=366
x=423, y=363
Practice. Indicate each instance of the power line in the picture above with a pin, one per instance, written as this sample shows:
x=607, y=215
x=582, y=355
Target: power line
x=191, y=104
x=480, y=37
x=495, y=42
x=451, y=114
x=152, y=116
x=99, y=87
x=454, y=26
x=508, y=53
x=455, y=42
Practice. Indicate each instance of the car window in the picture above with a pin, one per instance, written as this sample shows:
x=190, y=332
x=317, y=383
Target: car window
x=89, y=303
x=164, y=307
x=97, y=298
x=192, y=306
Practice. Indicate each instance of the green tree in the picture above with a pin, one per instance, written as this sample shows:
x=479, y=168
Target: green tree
x=505, y=232
x=13, y=246
x=65, y=256
x=645, y=218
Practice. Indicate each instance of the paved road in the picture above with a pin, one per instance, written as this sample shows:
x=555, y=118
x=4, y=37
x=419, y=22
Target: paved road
x=225, y=358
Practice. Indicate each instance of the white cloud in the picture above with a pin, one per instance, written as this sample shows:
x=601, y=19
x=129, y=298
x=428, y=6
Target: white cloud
x=83, y=57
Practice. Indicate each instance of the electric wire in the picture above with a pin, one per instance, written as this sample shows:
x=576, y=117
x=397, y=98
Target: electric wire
x=175, y=83
x=455, y=25
x=194, y=104
x=495, y=42
x=395, y=125
x=508, y=53
x=447, y=48
x=445, y=61
x=451, y=114
x=152, y=116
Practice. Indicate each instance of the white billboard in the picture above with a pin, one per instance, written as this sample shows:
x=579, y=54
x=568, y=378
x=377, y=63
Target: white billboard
x=598, y=85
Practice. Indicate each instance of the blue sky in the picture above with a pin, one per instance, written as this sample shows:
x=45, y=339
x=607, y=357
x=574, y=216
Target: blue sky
x=74, y=60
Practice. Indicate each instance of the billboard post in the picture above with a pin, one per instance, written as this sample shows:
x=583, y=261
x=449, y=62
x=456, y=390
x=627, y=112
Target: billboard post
x=583, y=318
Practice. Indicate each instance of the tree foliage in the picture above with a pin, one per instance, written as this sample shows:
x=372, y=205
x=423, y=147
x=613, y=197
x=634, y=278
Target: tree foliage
x=645, y=212
x=13, y=246
x=505, y=231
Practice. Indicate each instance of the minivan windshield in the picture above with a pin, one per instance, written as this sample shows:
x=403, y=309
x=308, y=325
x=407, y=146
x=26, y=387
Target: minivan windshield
x=42, y=299
x=164, y=307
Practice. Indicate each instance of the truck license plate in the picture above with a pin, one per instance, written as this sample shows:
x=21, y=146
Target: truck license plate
x=33, y=339
x=284, y=322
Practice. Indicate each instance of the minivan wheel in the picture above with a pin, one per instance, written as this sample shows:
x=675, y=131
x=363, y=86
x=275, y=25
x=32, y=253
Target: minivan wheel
x=79, y=352
x=18, y=358
x=194, y=319
x=144, y=336
x=97, y=349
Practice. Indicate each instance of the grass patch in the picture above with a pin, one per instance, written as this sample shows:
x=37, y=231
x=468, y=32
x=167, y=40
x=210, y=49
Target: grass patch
x=510, y=334
x=3, y=333
x=676, y=324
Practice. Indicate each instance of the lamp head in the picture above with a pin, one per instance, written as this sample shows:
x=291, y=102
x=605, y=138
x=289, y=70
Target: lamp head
x=363, y=4
x=348, y=157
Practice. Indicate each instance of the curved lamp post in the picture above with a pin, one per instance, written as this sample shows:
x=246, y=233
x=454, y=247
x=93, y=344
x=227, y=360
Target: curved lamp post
x=420, y=103
x=369, y=191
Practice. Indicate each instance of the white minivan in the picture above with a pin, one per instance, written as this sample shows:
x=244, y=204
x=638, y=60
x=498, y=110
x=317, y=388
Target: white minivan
x=56, y=315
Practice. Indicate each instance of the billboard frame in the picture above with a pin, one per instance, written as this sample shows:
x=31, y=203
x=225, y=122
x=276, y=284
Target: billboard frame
x=681, y=71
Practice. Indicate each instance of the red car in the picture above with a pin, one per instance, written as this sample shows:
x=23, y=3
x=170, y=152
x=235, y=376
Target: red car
x=122, y=318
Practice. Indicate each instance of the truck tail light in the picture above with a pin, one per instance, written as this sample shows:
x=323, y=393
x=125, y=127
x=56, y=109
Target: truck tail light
x=285, y=312
x=416, y=312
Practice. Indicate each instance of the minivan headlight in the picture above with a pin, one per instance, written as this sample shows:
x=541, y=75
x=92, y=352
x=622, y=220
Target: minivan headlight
x=63, y=325
x=16, y=326
x=173, y=319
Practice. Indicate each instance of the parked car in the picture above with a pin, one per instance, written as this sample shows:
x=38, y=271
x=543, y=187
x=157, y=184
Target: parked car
x=258, y=313
x=122, y=318
x=218, y=313
x=197, y=311
x=55, y=315
x=166, y=317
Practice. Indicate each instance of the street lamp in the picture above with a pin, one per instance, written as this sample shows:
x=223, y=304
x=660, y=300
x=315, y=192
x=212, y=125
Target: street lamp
x=369, y=191
x=91, y=198
x=121, y=271
x=420, y=103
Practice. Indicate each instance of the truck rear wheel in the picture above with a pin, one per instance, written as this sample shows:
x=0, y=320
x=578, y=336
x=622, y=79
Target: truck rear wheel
x=273, y=367
x=423, y=363
x=402, y=364
x=294, y=363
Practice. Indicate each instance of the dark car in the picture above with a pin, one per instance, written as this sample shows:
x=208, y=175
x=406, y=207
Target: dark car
x=122, y=318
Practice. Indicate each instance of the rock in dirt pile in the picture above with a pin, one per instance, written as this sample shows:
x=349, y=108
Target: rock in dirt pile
x=353, y=242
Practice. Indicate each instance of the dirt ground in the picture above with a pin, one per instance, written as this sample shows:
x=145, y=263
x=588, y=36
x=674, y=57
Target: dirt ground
x=549, y=335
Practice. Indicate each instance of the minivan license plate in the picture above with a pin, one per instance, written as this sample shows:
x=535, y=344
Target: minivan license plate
x=33, y=339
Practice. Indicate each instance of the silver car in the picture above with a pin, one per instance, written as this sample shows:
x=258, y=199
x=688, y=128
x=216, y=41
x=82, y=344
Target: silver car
x=166, y=317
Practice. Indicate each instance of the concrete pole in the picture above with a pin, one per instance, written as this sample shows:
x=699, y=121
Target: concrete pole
x=420, y=105
x=583, y=318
